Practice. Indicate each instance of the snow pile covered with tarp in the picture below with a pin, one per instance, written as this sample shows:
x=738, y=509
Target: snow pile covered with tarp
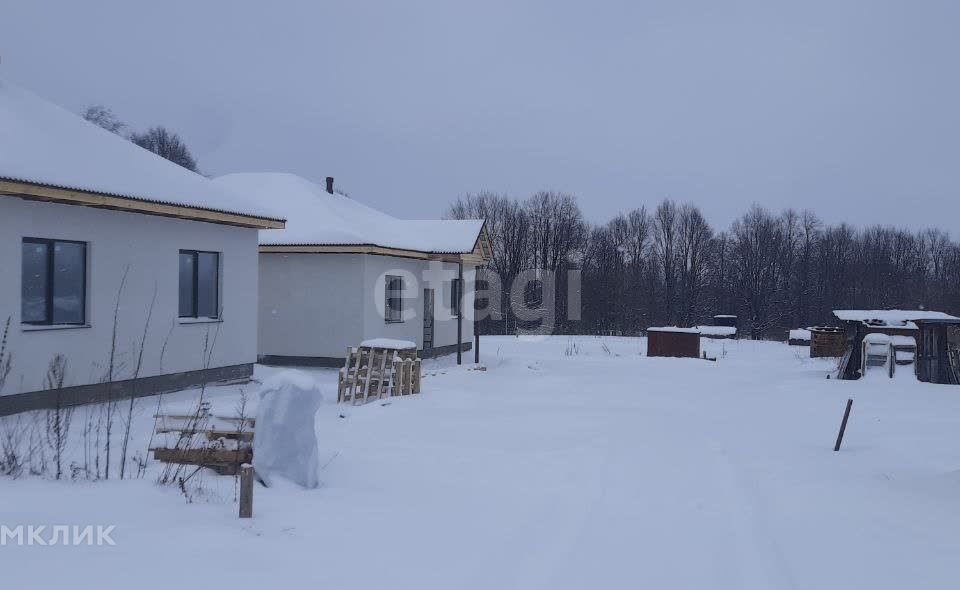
x=286, y=443
x=316, y=217
x=42, y=143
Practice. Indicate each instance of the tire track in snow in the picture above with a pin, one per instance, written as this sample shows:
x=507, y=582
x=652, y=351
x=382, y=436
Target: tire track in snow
x=761, y=563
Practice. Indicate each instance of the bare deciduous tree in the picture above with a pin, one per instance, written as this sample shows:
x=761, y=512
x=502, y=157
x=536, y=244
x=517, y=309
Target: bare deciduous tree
x=166, y=144
x=775, y=271
x=103, y=117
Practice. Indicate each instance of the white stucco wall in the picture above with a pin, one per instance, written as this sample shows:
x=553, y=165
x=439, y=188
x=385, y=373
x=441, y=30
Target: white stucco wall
x=148, y=246
x=317, y=305
x=310, y=304
x=418, y=275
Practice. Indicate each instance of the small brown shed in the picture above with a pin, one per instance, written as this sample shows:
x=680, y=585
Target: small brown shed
x=677, y=342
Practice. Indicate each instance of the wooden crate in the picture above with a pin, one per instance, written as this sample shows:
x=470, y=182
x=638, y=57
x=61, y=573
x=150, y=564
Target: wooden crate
x=827, y=341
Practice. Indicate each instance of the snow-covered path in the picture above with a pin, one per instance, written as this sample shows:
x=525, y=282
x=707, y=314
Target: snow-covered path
x=552, y=471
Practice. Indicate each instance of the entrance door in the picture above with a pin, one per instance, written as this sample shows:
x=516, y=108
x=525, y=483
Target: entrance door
x=427, y=319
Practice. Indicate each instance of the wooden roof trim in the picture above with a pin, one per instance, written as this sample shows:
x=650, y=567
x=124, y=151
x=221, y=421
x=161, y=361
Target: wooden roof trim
x=483, y=240
x=341, y=249
x=475, y=257
x=467, y=257
x=39, y=192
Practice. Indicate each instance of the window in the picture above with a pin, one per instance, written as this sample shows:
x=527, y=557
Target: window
x=456, y=296
x=393, y=310
x=199, y=284
x=53, y=282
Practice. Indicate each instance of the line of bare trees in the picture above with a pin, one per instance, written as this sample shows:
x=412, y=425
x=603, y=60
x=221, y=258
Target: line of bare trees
x=668, y=266
x=158, y=139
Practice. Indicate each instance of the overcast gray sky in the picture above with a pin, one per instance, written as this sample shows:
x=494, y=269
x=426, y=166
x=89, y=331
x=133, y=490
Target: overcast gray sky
x=848, y=108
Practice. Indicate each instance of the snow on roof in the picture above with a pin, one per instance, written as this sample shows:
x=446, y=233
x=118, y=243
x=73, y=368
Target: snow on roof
x=674, y=329
x=705, y=330
x=876, y=338
x=42, y=143
x=894, y=318
x=316, y=217
x=900, y=340
x=799, y=334
x=716, y=330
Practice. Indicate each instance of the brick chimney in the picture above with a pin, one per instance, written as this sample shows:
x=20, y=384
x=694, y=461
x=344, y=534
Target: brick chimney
x=330, y=184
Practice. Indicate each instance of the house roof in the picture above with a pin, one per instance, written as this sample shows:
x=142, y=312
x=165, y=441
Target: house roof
x=49, y=153
x=716, y=330
x=318, y=218
x=892, y=318
x=674, y=329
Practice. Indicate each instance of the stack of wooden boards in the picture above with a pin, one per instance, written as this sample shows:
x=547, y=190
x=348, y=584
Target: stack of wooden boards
x=220, y=443
x=372, y=372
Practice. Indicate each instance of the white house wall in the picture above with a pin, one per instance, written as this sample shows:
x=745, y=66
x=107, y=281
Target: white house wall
x=317, y=305
x=310, y=304
x=147, y=248
x=418, y=275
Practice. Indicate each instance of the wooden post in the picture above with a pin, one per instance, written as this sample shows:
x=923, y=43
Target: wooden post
x=393, y=373
x=460, y=312
x=381, y=386
x=356, y=377
x=476, y=344
x=246, y=491
x=407, y=376
x=366, y=382
x=843, y=425
x=416, y=376
x=344, y=377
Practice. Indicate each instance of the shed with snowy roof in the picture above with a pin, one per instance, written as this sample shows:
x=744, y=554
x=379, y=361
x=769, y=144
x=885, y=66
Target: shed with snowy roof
x=342, y=272
x=109, y=248
x=860, y=323
x=673, y=341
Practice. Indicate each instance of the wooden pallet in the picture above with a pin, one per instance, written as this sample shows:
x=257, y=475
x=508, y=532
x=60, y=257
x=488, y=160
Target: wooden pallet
x=222, y=461
x=372, y=373
x=211, y=433
x=181, y=417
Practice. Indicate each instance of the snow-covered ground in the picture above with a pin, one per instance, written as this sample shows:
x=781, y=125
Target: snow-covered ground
x=568, y=463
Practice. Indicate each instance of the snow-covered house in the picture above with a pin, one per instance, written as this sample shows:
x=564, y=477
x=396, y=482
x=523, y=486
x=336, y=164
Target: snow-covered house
x=342, y=272
x=104, y=246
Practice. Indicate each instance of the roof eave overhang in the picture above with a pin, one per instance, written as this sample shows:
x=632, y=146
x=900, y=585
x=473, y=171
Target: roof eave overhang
x=373, y=249
x=41, y=192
